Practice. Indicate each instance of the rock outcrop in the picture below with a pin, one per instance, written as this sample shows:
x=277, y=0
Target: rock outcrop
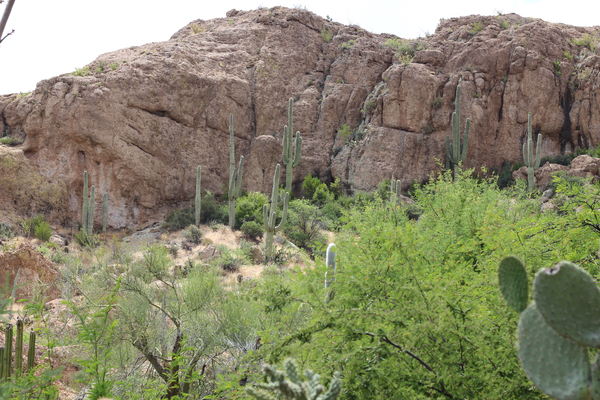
x=141, y=119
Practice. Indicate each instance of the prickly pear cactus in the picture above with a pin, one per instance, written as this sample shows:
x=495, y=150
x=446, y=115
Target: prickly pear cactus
x=556, y=330
x=289, y=385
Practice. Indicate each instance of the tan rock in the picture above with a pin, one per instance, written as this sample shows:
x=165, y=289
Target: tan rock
x=209, y=253
x=24, y=269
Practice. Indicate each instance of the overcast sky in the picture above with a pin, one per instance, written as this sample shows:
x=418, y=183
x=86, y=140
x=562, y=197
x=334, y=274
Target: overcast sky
x=55, y=37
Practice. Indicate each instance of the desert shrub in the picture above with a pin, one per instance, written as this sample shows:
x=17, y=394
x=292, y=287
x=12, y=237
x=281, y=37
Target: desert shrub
x=210, y=210
x=252, y=230
x=505, y=177
x=322, y=195
x=335, y=188
x=562, y=159
x=559, y=177
x=332, y=211
x=180, y=219
x=229, y=260
x=6, y=232
x=249, y=208
x=30, y=224
x=383, y=189
x=413, y=211
x=309, y=186
x=304, y=224
x=194, y=234
x=43, y=231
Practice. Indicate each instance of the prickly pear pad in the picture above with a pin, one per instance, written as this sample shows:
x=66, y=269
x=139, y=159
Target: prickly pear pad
x=512, y=279
x=558, y=366
x=569, y=300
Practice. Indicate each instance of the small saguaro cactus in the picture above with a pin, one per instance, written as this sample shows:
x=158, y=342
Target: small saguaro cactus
x=270, y=215
x=457, y=151
x=6, y=352
x=395, y=190
x=198, y=200
x=291, y=158
x=235, y=184
x=104, y=212
x=289, y=385
x=556, y=330
x=330, y=274
x=531, y=163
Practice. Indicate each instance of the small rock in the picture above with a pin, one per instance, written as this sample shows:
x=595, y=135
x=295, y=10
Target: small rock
x=59, y=240
x=548, y=207
x=209, y=253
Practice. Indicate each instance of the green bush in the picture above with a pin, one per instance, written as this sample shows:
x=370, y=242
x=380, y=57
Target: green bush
x=322, y=195
x=304, y=224
x=249, y=208
x=30, y=224
x=335, y=188
x=562, y=159
x=252, y=230
x=43, y=231
x=180, y=219
x=6, y=231
x=309, y=186
x=211, y=211
x=383, y=190
x=505, y=177
x=194, y=234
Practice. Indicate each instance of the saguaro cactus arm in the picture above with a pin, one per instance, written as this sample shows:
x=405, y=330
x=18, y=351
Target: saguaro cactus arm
x=528, y=158
x=291, y=148
x=457, y=151
x=84, y=211
x=90, y=221
x=198, y=200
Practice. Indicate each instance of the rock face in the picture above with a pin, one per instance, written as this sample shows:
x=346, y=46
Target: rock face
x=143, y=118
x=26, y=270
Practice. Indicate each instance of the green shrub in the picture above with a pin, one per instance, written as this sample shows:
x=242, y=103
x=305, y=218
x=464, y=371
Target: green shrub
x=30, y=224
x=43, y=231
x=194, y=234
x=252, y=230
x=249, y=208
x=326, y=34
x=304, y=224
x=309, y=186
x=6, y=140
x=322, y=195
x=229, y=260
x=563, y=177
x=6, y=231
x=180, y=219
x=505, y=177
x=383, y=189
x=562, y=159
x=335, y=188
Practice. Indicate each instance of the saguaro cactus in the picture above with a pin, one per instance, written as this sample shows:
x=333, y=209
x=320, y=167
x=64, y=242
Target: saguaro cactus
x=531, y=164
x=291, y=158
x=270, y=215
x=198, y=201
x=84, y=212
x=6, y=352
x=330, y=274
x=457, y=151
x=557, y=328
x=235, y=184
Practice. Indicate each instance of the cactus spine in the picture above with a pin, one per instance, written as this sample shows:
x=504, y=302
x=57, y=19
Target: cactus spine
x=528, y=154
x=557, y=328
x=6, y=352
x=395, y=190
x=289, y=385
x=198, y=200
x=330, y=274
x=457, y=151
x=90, y=213
x=104, y=212
x=270, y=215
x=235, y=184
x=84, y=212
x=291, y=158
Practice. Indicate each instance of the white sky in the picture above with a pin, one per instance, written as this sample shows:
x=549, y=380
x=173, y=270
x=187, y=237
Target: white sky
x=55, y=36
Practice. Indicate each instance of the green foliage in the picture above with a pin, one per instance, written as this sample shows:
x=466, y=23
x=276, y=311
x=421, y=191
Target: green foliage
x=85, y=71
x=557, y=67
x=345, y=132
x=505, y=178
x=249, y=208
x=589, y=41
x=304, y=224
x=404, y=49
x=6, y=231
x=567, y=55
x=326, y=34
x=383, y=190
x=530, y=161
x=194, y=234
x=252, y=230
x=29, y=225
x=43, y=231
x=322, y=195
x=416, y=312
x=310, y=186
x=348, y=45
x=7, y=140
x=180, y=219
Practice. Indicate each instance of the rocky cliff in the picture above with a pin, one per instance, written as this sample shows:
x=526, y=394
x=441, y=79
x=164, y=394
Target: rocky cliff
x=140, y=119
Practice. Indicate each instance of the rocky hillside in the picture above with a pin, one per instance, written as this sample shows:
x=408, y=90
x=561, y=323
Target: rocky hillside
x=140, y=119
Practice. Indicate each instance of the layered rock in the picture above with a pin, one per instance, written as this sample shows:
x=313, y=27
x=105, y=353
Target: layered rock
x=145, y=117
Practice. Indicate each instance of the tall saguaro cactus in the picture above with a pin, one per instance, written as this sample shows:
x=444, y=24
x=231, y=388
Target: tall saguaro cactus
x=330, y=274
x=6, y=352
x=395, y=190
x=104, y=212
x=457, y=151
x=531, y=164
x=235, y=183
x=291, y=158
x=270, y=215
x=90, y=215
x=556, y=329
